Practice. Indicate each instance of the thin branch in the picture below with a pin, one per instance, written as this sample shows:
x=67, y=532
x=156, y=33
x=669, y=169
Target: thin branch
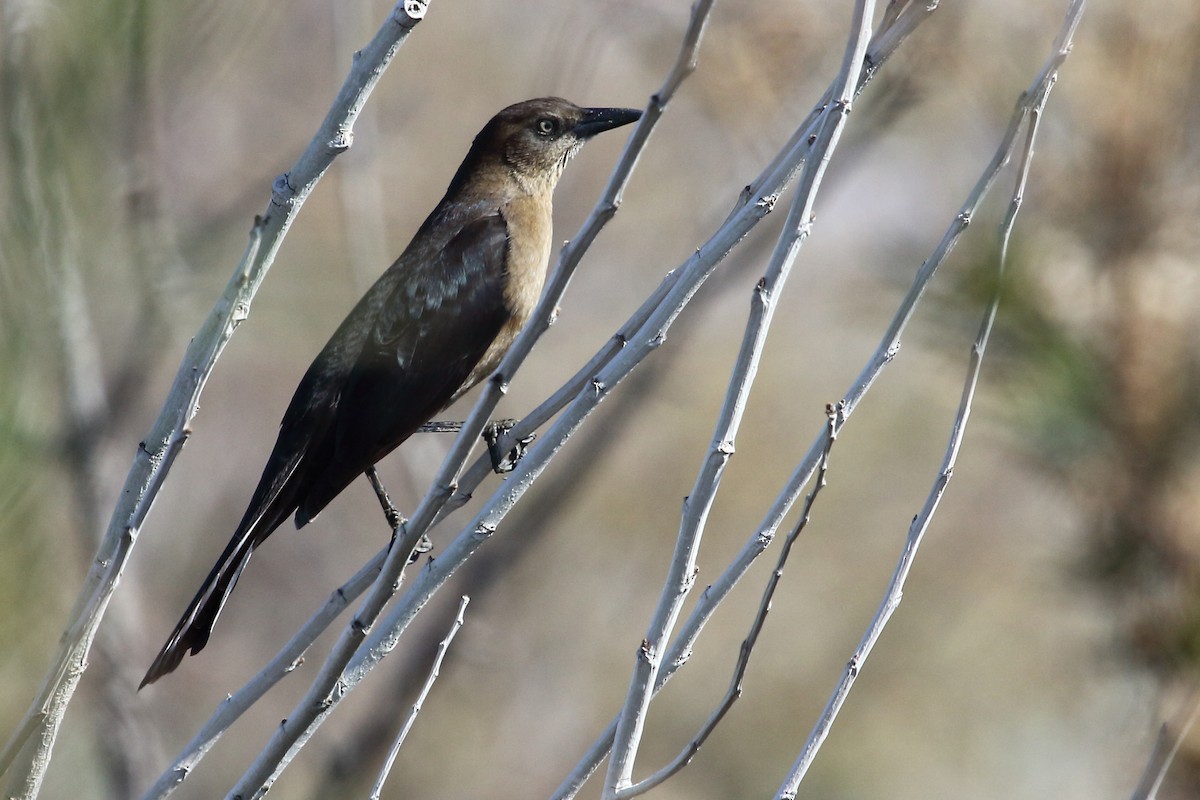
x=1166, y=746
x=1033, y=103
x=764, y=607
x=682, y=570
x=434, y=671
x=156, y=454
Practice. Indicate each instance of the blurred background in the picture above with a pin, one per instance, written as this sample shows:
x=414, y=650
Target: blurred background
x=1052, y=620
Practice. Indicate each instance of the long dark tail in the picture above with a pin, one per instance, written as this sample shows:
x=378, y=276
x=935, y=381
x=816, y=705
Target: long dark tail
x=194, y=628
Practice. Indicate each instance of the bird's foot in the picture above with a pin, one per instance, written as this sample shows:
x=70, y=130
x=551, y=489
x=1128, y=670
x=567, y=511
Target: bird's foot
x=424, y=545
x=503, y=462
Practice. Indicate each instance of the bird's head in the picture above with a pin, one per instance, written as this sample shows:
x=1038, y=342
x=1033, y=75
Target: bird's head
x=535, y=139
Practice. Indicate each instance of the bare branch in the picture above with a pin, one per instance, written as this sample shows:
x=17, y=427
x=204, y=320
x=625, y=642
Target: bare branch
x=1029, y=107
x=1166, y=746
x=683, y=564
x=756, y=626
x=434, y=671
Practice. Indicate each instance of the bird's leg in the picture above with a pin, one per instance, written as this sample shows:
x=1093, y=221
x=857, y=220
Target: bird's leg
x=393, y=515
x=505, y=461
x=390, y=512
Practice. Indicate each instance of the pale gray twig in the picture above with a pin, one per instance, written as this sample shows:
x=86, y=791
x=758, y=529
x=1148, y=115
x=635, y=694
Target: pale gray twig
x=682, y=571
x=756, y=626
x=434, y=671
x=1166, y=746
x=1029, y=108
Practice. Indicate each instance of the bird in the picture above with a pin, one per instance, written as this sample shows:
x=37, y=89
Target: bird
x=434, y=324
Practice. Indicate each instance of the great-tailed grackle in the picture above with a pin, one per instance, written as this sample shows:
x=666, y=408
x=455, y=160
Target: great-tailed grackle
x=434, y=324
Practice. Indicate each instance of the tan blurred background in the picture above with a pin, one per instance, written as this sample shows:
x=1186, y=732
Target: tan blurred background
x=1051, y=621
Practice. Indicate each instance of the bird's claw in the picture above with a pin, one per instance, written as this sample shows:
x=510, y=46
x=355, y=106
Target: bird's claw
x=503, y=462
x=394, y=518
x=423, y=546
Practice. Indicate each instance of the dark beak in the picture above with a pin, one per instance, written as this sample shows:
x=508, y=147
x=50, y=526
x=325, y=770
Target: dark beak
x=599, y=120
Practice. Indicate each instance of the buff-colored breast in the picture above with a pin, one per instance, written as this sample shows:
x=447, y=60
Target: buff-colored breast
x=531, y=217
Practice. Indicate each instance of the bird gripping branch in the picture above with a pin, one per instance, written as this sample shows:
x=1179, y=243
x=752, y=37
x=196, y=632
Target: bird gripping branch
x=435, y=323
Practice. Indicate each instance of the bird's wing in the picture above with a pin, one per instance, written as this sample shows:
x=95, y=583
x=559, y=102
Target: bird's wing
x=428, y=334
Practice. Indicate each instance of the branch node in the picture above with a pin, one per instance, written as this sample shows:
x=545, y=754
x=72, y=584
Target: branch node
x=414, y=10
x=342, y=140
x=283, y=193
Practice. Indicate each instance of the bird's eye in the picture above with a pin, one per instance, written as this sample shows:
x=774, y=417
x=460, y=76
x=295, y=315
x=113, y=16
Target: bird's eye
x=547, y=126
